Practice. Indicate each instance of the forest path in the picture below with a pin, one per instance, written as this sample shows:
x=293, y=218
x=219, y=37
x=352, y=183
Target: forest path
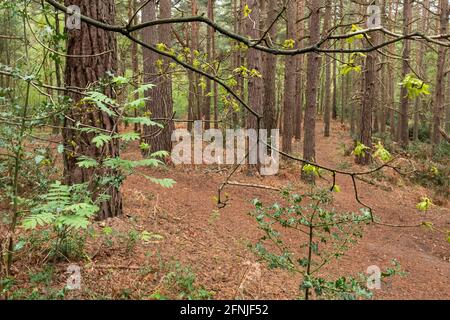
x=214, y=243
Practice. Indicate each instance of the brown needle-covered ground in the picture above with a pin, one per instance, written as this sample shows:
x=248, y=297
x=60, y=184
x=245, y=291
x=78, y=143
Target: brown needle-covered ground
x=213, y=243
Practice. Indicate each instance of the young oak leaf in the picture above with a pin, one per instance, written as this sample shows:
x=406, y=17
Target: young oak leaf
x=247, y=11
x=381, y=153
x=424, y=204
x=360, y=150
x=309, y=168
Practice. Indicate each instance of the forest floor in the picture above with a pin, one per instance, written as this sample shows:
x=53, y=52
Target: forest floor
x=190, y=238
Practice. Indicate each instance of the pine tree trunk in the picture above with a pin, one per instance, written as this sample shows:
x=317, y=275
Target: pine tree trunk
x=270, y=63
x=309, y=146
x=160, y=103
x=254, y=60
x=327, y=87
x=404, y=107
x=289, y=82
x=209, y=52
x=439, y=108
x=81, y=72
x=298, y=116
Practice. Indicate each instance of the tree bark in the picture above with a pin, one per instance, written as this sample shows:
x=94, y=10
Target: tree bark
x=298, y=116
x=439, y=102
x=160, y=103
x=81, y=72
x=404, y=107
x=270, y=68
x=309, y=146
x=289, y=82
x=327, y=88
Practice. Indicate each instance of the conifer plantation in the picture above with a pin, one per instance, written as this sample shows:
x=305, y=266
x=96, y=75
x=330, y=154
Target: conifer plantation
x=224, y=150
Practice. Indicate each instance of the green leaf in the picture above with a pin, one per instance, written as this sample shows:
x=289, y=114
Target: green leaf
x=415, y=86
x=60, y=148
x=41, y=219
x=101, y=100
x=128, y=136
x=86, y=162
x=247, y=11
x=143, y=88
x=381, y=153
x=309, y=168
x=150, y=236
x=424, y=204
x=101, y=140
x=120, y=80
x=160, y=154
x=74, y=221
x=143, y=121
x=165, y=183
x=360, y=150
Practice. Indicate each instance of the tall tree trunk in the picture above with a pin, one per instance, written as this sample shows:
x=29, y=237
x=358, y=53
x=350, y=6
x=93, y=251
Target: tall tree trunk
x=209, y=52
x=438, y=115
x=335, y=75
x=309, y=145
x=367, y=105
x=254, y=60
x=424, y=14
x=298, y=116
x=81, y=72
x=327, y=87
x=384, y=77
x=404, y=107
x=195, y=50
x=269, y=74
x=134, y=57
x=160, y=103
x=289, y=82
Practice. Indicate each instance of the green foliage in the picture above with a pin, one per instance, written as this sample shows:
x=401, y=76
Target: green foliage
x=330, y=234
x=246, y=11
x=431, y=172
x=381, y=153
x=360, y=150
x=181, y=282
x=101, y=101
x=424, y=204
x=289, y=44
x=63, y=210
x=311, y=169
x=355, y=29
x=415, y=87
